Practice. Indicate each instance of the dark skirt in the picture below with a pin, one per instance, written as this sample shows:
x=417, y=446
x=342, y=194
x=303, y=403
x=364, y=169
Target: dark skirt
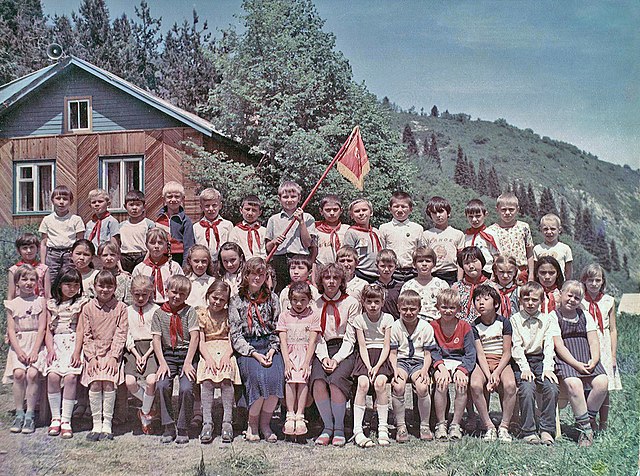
x=574, y=336
x=259, y=381
x=130, y=368
x=374, y=354
x=341, y=376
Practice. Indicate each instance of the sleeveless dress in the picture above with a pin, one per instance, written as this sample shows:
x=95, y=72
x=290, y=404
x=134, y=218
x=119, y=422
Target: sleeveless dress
x=574, y=335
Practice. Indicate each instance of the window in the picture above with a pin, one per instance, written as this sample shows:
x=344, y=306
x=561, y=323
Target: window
x=78, y=116
x=33, y=185
x=118, y=175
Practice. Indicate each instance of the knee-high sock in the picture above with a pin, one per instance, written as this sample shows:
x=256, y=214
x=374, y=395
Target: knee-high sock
x=398, y=409
x=206, y=395
x=147, y=403
x=338, y=410
x=67, y=410
x=324, y=408
x=383, y=415
x=95, y=401
x=424, y=408
x=54, y=404
x=109, y=399
x=358, y=416
x=139, y=394
x=227, y=402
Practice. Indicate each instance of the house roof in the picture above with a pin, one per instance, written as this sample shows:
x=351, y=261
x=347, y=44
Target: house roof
x=13, y=92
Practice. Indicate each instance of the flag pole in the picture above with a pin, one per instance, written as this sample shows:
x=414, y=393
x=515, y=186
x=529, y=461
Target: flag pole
x=315, y=188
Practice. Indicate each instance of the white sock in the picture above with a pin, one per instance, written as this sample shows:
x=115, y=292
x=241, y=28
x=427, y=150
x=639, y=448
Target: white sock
x=147, y=403
x=107, y=411
x=54, y=404
x=358, y=416
x=424, y=408
x=139, y=394
x=95, y=401
x=397, y=402
x=67, y=410
x=383, y=413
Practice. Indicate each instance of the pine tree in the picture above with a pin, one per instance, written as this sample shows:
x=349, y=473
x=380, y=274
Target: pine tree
x=147, y=37
x=533, y=204
x=564, y=217
x=493, y=183
x=577, y=225
x=434, y=153
x=426, y=147
x=601, y=250
x=92, y=28
x=547, y=204
x=409, y=139
x=523, y=200
x=471, y=173
x=615, y=258
x=434, y=111
x=386, y=103
x=482, y=185
x=625, y=264
x=588, y=236
x=459, y=171
x=460, y=153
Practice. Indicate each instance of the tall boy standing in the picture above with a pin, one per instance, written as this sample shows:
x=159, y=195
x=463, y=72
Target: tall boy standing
x=175, y=222
x=330, y=231
x=133, y=231
x=249, y=234
x=212, y=230
x=364, y=238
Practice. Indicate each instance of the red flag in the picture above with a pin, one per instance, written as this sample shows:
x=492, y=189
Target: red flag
x=352, y=160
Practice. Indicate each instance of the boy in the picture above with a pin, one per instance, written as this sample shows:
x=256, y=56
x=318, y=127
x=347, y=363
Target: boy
x=412, y=341
x=387, y=262
x=476, y=214
x=551, y=227
x=102, y=227
x=364, y=238
x=427, y=286
x=175, y=222
x=212, y=230
x=299, y=271
x=297, y=240
x=330, y=231
x=533, y=354
x=445, y=240
x=513, y=237
x=133, y=231
x=401, y=235
x=58, y=231
x=249, y=233
x=348, y=258
x=175, y=332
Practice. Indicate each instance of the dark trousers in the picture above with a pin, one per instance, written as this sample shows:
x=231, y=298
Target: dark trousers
x=280, y=265
x=57, y=258
x=404, y=274
x=130, y=260
x=527, y=397
x=175, y=361
x=449, y=276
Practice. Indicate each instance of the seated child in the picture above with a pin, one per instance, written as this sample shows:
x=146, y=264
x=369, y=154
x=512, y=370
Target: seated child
x=133, y=231
x=229, y=267
x=386, y=262
x=102, y=228
x=347, y=256
x=505, y=273
x=300, y=272
x=212, y=230
x=426, y=285
x=28, y=245
x=364, y=238
x=477, y=234
x=547, y=272
x=551, y=227
x=330, y=231
x=471, y=260
x=175, y=222
x=249, y=233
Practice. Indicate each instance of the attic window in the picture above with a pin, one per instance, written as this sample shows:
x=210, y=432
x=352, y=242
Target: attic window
x=78, y=114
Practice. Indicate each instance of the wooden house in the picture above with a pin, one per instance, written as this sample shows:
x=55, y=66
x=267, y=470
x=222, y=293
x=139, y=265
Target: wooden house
x=78, y=125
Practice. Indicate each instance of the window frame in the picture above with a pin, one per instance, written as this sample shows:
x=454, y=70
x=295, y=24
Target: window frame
x=67, y=114
x=34, y=164
x=122, y=160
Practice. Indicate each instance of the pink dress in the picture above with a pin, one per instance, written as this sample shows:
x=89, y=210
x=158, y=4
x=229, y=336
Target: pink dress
x=40, y=268
x=298, y=327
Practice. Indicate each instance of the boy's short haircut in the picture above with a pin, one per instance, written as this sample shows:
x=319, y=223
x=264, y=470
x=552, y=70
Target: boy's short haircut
x=300, y=260
x=99, y=193
x=531, y=287
x=574, y=287
x=155, y=234
x=410, y=297
x=470, y=253
x=361, y=200
x=387, y=256
x=372, y=291
x=109, y=246
x=591, y=271
x=24, y=270
x=550, y=218
x=178, y=283
x=289, y=186
x=424, y=252
x=173, y=187
x=62, y=190
x=475, y=207
x=252, y=200
x=485, y=290
x=210, y=194
x=300, y=287
x=507, y=198
x=105, y=278
x=438, y=204
x=331, y=268
x=347, y=251
x=331, y=198
x=448, y=297
x=27, y=239
x=399, y=196
x=134, y=196
x=141, y=283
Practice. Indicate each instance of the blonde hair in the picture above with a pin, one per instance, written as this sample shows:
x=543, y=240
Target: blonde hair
x=173, y=187
x=155, y=234
x=424, y=252
x=109, y=246
x=410, y=297
x=593, y=270
x=289, y=186
x=361, y=200
x=507, y=198
x=141, y=283
x=551, y=218
x=210, y=194
x=531, y=287
x=573, y=286
x=98, y=193
x=448, y=297
x=347, y=251
x=178, y=283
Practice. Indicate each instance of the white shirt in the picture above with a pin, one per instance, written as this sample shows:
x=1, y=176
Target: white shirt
x=61, y=231
x=403, y=237
x=134, y=235
x=200, y=234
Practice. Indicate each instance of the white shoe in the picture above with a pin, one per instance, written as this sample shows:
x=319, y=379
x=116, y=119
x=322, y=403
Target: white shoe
x=503, y=435
x=490, y=435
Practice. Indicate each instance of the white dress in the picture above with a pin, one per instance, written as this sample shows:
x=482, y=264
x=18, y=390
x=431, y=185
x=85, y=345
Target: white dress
x=64, y=321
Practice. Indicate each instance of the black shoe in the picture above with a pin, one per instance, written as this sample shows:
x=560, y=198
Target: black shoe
x=183, y=437
x=227, y=432
x=93, y=436
x=105, y=436
x=169, y=434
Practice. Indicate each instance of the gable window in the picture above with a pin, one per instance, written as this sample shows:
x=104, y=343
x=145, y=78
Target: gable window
x=118, y=175
x=33, y=183
x=78, y=116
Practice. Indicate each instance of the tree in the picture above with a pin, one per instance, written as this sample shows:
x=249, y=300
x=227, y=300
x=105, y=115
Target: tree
x=493, y=183
x=434, y=153
x=146, y=33
x=601, y=250
x=434, y=111
x=533, y=204
x=615, y=258
x=92, y=30
x=471, y=179
x=577, y=225
x=409, y=140
x=426, y=146
x=547, y=204
x=625, y=264
x=460, y=153
x=482, y=186
x=587, y=234
x=460, y=170
x=564, y=217
x=523, y=199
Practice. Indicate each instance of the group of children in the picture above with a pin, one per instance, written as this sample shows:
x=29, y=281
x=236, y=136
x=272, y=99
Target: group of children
x=339, y=313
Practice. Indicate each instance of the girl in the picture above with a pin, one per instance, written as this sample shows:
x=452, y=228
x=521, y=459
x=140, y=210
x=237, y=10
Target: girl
x=27, y=246
x=82, y=253
x=578, y=356
x=471, y=260
x=230, y=263
x=105, y=327
x=26, y=322
x=602, y=308
x=158, y=264
x=253, y=314
x=140, y=361
x=64, y=345
x=198, y=268
x=373, y=333
x=548, y=273
x=109, y=254
x=298, y=327
x=218, y=367
x=505, y=272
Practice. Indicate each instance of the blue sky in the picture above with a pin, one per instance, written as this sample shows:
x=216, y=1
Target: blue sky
x=569, y=70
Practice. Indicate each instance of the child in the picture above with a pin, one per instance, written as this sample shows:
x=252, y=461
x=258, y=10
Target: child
x=387, y=263
x=133, y=231
x=198, y=268
x=102, y=228
x=578, y=360
x=373, y=334
x=477, y=235
x=364, y=238
x=331, y=371
x=212, y=230
x=453, y=361
x=411, y=343
x=173, y=220
x=347, y=256
x=27, y=245
x=249, y=233
x=157, y=264
x=253, y=315
x=26, y=322
x=230, y=264
x=492, y=334
x=297, y=240
x=176, y=333
x=330, y=231
x=471, y=260
x=58, y=231
x=140, y=362
x=547, y=272
x=109, y=254
x=505, y=272
x=513, y=237
x=218, y=366
x=299, y=271
x=298, y=327
x=426, y=285
x=105, y=327
x=64, y=345
x=445, y=240
x=551, y=227
x=602, y=308
x=82, y=254
x=533, y=356
x=401, y=235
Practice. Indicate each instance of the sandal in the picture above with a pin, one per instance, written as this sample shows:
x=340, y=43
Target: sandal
x=301, y=425
x=206, y=435
x=289, y=427
x=54, y=428
x=66, y=432
x=441, y=431
x=339, y=441
x=250, y=436
x=425, y=433
x=402, y=435
x=455, y=432
x=362, y=441
x=227, y=432
x=271, y=438
x=383, y=438
x=323, y=440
